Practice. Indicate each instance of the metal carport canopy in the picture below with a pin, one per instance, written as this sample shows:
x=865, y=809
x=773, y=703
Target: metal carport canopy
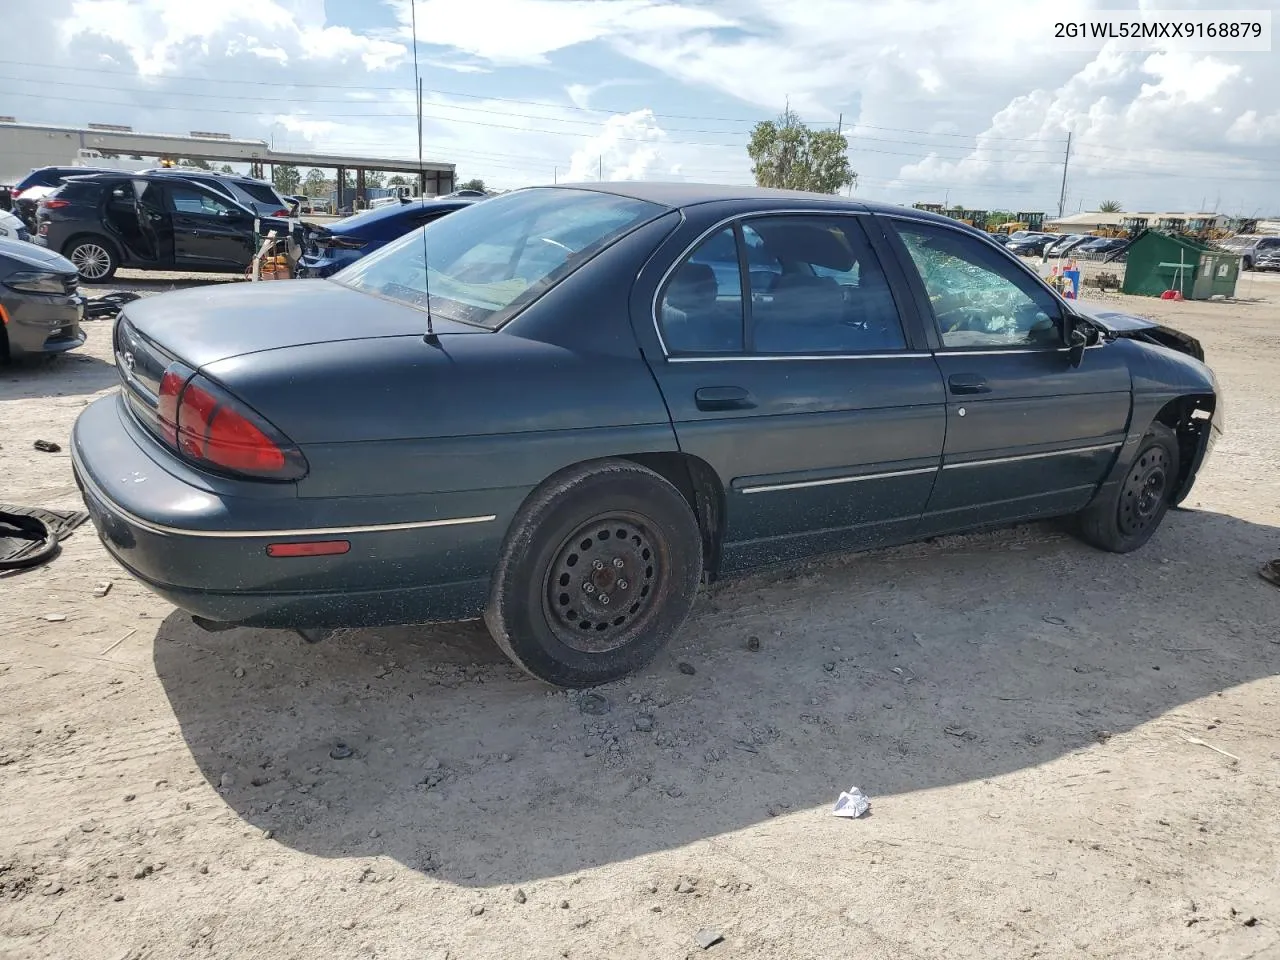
x=38, y=144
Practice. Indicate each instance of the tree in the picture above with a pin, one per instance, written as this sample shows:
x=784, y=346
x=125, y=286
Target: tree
x=474, y=184
x=348, y=182
x=374, y=178
x=785, y=153
x=1110, y=206
x=202, y=164
x=315, y=184
x=397, y=181
x=285, y=177
x=226, y=168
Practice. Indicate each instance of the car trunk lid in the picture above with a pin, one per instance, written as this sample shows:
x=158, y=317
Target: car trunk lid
x=206, y=324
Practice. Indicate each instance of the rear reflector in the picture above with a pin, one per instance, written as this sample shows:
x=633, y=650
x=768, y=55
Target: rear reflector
x=53, y=204
x=312, y=548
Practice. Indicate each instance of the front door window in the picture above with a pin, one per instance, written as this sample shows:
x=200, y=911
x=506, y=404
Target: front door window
x=979, y=299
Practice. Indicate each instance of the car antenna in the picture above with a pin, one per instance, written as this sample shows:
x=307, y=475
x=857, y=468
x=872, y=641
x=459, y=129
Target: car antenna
x=431, y=337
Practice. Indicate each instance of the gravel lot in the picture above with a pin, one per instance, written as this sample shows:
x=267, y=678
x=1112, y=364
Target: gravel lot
x=1043, y=730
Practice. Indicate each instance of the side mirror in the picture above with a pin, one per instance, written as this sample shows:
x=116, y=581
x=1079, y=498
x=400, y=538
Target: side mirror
x=1082, y=335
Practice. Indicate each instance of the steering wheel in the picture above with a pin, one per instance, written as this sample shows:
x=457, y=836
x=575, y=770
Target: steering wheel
x=962, y=318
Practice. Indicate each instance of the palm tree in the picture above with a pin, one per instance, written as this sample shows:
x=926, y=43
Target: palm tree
x=1110, y=206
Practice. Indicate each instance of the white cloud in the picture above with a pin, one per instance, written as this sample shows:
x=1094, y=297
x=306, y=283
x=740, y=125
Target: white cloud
x=628, y=148
x=161, y=37
x=525, y=31
x=915, y=81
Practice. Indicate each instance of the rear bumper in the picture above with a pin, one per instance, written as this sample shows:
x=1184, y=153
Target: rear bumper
x=318, y=267
x=204, y=549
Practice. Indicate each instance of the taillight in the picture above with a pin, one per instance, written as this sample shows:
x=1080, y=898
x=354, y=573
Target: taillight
x=52, y=204
x=15, y=194
x=213, y=429
x=345, y=243
x=280, y=213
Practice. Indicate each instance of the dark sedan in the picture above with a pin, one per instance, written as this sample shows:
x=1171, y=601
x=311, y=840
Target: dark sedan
x=329, y=249
x=40, y=303
x=1032, y=246
x=1102, y=245
x=553, y=410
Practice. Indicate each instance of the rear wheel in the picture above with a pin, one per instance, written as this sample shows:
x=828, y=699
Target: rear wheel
x=94, y=258
x=1126, y=519
x=598, y=571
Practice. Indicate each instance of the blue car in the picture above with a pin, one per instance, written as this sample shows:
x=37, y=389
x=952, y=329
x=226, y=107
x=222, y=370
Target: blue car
x=329, y=249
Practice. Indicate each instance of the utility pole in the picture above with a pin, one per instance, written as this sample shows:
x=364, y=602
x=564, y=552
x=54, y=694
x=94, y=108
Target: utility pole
x=840, y=124
x=555, y=174
x=1066, y=159
x=600, y=168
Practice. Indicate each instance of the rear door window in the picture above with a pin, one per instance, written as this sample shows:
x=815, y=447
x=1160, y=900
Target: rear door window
x=817, y=288
x=700, y=309
x=194, y=201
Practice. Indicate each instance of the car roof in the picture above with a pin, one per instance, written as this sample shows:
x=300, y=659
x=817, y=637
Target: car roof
x=680, y=195
x=390, y=211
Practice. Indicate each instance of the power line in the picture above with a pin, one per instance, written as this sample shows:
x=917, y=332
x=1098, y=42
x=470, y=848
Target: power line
x=456, y=93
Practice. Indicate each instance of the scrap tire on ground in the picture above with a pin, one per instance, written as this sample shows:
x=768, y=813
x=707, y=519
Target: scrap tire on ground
x=598, y=571
x=1126, y=518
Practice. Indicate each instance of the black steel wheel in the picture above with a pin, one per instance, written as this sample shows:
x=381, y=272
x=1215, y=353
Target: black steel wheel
x=598, y=570
x=604, y=580
x=1144, y=492
x=1126, y=513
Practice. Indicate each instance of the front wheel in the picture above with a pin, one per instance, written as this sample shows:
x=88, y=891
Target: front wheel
x=1126, y=518
x=599, y=570
x=94, y=258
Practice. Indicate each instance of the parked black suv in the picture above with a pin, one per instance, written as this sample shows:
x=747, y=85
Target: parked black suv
x=39, y=183
x=258, y=195
x=148, y=222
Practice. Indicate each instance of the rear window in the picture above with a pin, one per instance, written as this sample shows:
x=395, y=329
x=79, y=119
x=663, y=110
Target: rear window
x=262, y=192
x=79, y=190
x=39, y=178
x=484, y=264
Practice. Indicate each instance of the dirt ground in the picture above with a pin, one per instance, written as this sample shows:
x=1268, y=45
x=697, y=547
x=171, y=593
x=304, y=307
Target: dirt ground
x=1068, y=753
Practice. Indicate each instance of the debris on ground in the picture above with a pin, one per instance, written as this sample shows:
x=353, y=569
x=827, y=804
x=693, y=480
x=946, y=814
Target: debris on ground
x=708, y=939
x=1204, y=743
x=1270, y=572
x=851, y=803
x=102, y=589
x=30, y=536
x=47, y=446
x=686, y=668
x=753, y=644
x=593, y=704
x=340, y=751
x=54, y=617
x=644, y=723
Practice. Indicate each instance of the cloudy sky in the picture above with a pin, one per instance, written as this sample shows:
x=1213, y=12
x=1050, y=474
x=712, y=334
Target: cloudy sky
x=969, y=102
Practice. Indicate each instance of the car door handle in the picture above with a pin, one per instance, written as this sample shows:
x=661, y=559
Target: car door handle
x=723, y=398
x=968, y=383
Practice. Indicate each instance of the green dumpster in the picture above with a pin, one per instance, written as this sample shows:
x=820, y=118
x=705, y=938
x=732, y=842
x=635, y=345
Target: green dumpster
x=1157, y=262
x=1217, y=275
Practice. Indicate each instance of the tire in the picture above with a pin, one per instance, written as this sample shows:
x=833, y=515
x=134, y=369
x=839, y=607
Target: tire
x=1246, y=264
x=552, y=620
x=1125, y=519
x=94, y=257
